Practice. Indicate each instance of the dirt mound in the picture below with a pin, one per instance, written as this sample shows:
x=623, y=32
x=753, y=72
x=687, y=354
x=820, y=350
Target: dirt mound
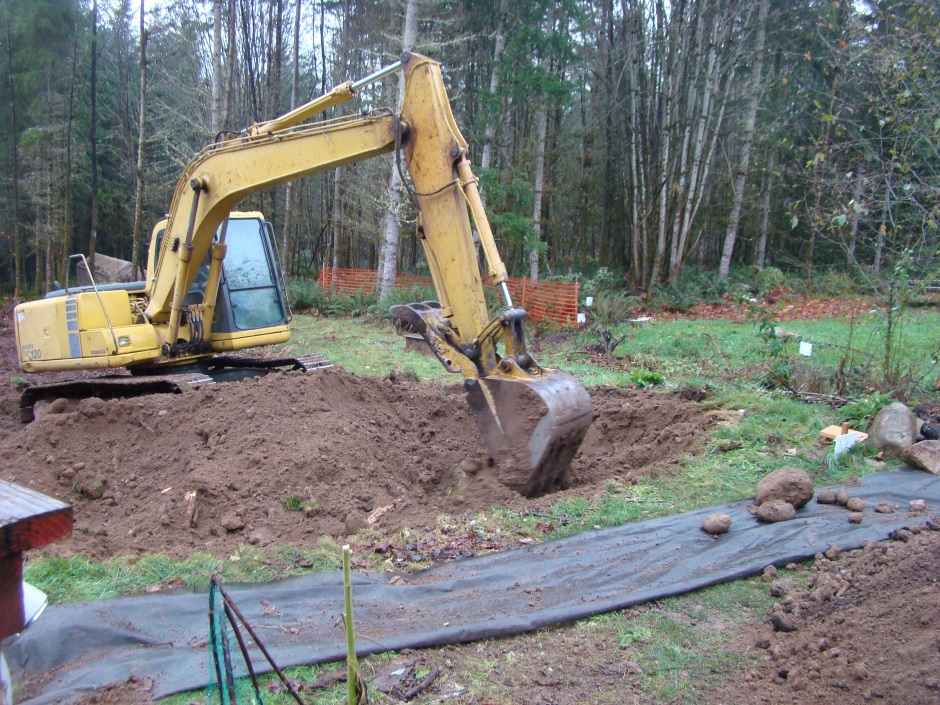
x=290, y=457
x=865, y=628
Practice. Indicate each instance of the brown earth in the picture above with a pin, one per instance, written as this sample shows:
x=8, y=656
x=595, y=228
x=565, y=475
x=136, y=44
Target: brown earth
x=866, y=628
x=213, y=468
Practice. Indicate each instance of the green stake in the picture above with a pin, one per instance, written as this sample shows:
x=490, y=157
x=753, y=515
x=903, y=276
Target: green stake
x=353, y=683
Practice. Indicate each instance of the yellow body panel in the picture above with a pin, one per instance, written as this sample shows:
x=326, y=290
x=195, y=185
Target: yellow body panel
x=91, y=314
x=227, y=342
x=72, y=332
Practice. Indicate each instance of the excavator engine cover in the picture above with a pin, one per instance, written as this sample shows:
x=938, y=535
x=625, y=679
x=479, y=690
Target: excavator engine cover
x=532, y=426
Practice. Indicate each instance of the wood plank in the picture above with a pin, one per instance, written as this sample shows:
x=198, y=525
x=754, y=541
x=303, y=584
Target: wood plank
x=11, y=595
x=30, y=519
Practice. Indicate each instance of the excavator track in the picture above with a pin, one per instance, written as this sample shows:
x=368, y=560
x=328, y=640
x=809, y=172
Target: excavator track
x=219, y=369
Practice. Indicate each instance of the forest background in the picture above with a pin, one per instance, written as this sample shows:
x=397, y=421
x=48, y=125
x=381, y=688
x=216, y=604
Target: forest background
x=646, y=137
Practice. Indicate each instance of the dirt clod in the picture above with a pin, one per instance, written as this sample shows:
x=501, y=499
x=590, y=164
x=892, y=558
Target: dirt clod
x=856, y=517
x=790, y=484
x=776, y=510
x=716, y=523
x=826, y=497
x=855, y=504
x=232, y=522
x=842, y=497
x=918, y=505
x=904, y=535
x=884, y=508
x=782, y=622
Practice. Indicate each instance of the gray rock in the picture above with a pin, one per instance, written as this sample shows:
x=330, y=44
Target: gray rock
x=790, y=484
x=924, y=456
x=776, y=510
x=894, y=429
x=716, y=523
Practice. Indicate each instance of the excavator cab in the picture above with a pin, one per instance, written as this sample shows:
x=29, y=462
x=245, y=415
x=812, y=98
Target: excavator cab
x=251, y=299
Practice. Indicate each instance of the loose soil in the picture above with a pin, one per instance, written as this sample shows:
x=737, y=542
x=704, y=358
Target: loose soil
x=224, y=465
x=866, y=628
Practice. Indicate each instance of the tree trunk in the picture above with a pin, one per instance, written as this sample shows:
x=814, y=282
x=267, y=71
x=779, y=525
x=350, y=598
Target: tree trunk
x=17, y=240
x=289, y=189
x=883, y=230
x=216, y=112
x=337, y=217
x=141, y=146
x=388, y=260
x=226, y=116
x=856, y=212
x=67, y=196
x=486, y=160
x=766, y=191
x=542, y=118
x=740, y=179
x=607, y=205
x=93, y=147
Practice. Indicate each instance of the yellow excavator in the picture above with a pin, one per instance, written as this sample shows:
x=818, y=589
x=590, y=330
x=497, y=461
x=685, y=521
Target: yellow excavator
x=213, y=287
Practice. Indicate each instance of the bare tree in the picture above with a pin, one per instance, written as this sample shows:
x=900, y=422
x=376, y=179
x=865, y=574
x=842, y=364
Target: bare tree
x=750, y=118
x=93, y=146
x=141, y=145
x=388, y=260
x=542, y=122
x=289, y=189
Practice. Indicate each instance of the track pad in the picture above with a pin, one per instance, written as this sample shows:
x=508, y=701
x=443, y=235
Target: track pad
x=533, y=426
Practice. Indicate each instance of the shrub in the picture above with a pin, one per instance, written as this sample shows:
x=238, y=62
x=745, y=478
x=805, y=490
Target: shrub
x=860, y=413
x=770, y=277
x=611, y=308
x=672, y=297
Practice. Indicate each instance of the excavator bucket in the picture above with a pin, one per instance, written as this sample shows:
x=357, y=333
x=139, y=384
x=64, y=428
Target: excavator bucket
x=532, y=426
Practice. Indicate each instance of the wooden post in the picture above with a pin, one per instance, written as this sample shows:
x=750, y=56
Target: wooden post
x=28, y=520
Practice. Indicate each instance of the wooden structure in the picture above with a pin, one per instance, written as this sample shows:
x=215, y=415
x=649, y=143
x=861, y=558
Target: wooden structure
x=28, y=519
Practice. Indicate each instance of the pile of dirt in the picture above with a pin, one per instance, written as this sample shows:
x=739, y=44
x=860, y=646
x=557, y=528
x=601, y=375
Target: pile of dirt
x=864, y=629
x=290, y=457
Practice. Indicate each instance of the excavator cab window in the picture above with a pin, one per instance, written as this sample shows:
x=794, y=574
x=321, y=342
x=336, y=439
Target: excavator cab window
x=251, y=276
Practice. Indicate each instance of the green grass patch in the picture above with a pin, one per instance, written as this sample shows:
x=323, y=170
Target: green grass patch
x=79, y=578
x=368, y=348
x=678, y=643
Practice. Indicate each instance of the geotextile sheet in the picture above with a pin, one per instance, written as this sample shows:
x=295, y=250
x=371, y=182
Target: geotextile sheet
x=162, y=636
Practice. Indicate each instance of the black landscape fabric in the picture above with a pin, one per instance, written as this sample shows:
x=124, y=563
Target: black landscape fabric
x=162, y=636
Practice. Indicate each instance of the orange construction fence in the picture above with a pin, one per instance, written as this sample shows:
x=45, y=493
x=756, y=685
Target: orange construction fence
x=543, y=301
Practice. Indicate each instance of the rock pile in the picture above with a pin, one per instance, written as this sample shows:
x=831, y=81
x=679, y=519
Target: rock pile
x=781, y=493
